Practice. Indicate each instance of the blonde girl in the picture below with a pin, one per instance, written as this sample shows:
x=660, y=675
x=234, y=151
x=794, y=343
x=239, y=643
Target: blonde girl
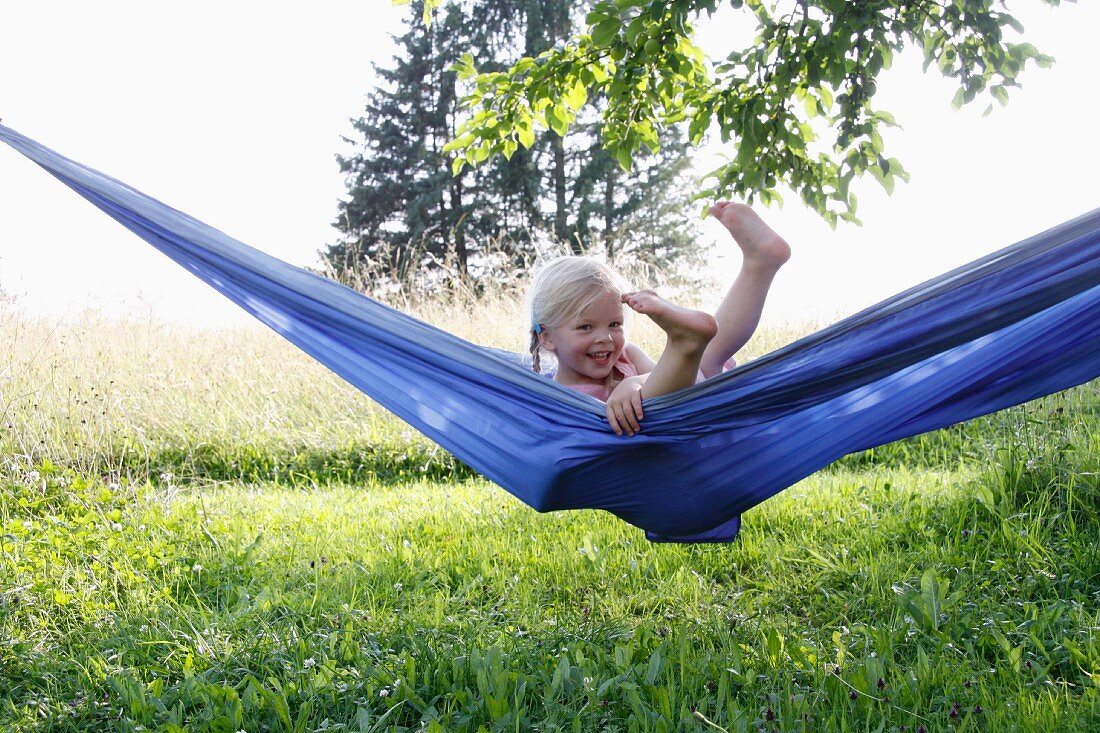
x=576, y=307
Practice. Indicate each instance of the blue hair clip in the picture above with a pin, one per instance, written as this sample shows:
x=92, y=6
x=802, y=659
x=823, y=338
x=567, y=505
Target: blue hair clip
x=536, y=327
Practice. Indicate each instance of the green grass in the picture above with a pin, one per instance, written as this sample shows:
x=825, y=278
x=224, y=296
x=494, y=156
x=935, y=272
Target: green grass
x=192, y=543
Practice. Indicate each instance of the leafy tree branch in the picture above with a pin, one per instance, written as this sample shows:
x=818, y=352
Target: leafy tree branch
x=797, y=103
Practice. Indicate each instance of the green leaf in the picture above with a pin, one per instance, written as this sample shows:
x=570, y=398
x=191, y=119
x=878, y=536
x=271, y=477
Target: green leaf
x=464, y=67
x=697, y=128
x=654, y=667
x=959, y=99
x=810, y=105
x=634, y=30
x=933, y=589
x=576, y=96
x=558, y=120
x=898, y=170
x=526, y=135
x=886, y=118
x=624, y=158
x=605, y=32
x=596, y=15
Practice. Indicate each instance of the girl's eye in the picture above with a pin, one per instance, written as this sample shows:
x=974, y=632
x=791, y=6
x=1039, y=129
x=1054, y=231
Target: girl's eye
x=583, y=327
x=616, y=324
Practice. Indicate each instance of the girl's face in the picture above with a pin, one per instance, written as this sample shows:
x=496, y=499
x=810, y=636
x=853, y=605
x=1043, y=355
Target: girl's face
x=588, y=346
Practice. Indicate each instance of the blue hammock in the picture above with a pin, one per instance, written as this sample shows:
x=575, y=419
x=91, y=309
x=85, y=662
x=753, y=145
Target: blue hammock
x=1015, y=325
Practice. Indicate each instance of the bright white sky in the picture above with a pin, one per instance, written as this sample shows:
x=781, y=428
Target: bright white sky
x=233, y=112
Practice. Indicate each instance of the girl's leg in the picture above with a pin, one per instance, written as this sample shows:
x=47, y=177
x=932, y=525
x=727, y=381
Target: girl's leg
x=739, y=312
x=688, y=332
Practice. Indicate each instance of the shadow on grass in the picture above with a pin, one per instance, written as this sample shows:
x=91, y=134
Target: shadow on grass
x=297, y=466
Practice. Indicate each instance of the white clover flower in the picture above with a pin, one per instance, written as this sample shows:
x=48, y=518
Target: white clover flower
x=309, y=663
x=33, y=475
x=196, y=568
x=383, y=692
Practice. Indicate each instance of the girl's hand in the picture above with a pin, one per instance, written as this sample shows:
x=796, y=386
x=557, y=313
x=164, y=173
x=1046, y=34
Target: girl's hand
x=624, y=406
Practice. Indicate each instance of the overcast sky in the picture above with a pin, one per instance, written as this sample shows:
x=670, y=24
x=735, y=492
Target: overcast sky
x=233, y=112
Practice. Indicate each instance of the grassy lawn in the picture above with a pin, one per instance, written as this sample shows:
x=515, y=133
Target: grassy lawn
x=207, y=532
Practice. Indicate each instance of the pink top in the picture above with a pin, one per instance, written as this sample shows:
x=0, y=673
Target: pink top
x=622, y=369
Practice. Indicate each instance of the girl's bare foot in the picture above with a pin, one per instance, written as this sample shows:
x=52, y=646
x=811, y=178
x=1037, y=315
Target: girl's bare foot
x=759, y=242
x=688, y=329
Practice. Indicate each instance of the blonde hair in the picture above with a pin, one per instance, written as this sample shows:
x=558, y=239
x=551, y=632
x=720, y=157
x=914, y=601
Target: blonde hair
x=562, y=288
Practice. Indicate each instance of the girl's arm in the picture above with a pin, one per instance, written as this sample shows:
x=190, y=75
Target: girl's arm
x=639, y=358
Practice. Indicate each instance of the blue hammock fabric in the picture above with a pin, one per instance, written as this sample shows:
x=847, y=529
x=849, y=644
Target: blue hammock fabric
x=1013, y=326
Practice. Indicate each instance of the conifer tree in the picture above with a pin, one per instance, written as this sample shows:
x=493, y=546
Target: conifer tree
x=403, y=205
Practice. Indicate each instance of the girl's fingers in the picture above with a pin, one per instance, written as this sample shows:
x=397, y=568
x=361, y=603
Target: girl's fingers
x=624, y=413
x=613, y=421
x=627, y=421
x=622, y=420
x=632, y=417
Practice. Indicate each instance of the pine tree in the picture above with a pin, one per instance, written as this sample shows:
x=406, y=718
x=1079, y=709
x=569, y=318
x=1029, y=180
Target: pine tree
x=404, y=209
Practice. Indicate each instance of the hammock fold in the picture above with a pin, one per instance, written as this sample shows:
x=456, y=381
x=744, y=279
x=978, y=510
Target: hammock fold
x=1010, y=327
